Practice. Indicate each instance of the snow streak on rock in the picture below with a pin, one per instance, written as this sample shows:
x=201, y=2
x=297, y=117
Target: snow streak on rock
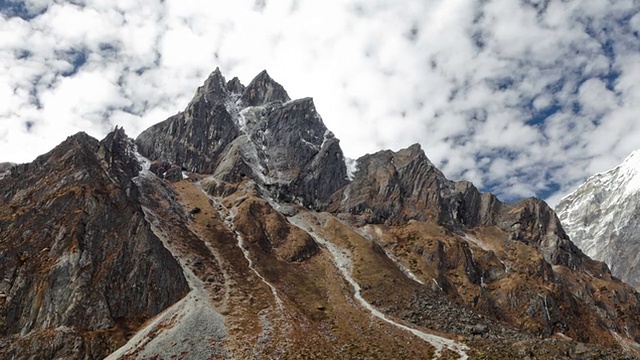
x=366, y=232
x=352, y=167
x=480, y=244
x=228, y=216
x=342, y=260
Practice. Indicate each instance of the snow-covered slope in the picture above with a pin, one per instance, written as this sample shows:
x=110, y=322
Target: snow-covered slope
x=602, y=217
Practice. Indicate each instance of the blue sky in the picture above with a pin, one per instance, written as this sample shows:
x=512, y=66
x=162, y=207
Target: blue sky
x=521, y=97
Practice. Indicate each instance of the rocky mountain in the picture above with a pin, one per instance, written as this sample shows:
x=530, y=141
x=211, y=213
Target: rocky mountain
x=231, y=230
x=603, y=218
x=231, y=131
x=81, y=269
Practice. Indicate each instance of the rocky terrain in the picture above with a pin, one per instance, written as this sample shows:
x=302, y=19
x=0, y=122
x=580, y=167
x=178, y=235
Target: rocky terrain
x=81, y=268
x=231, y=230
x=4, y=168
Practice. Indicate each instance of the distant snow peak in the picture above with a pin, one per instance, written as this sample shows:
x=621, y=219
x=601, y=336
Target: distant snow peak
x=630, y=171
x=601, y=217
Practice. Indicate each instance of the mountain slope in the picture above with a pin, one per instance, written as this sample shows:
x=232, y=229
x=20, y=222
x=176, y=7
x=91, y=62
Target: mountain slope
x=603, y=218
x=81, y=268
x=268, y=250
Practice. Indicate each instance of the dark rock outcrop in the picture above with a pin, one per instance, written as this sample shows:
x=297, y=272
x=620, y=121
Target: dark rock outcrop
x=263, y=90
x=395, y=187
x=284, y=147
x=298, y=158
x=195, y=138
x=81, y=267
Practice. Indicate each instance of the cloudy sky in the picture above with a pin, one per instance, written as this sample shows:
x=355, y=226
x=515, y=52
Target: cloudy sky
x=523, y=98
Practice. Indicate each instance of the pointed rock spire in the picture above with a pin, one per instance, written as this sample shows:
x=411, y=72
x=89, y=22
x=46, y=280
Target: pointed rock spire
x=214, y=89
x=235, y=86
x=262, y=90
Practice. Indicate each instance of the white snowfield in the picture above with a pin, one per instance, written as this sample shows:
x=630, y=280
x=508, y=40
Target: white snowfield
x=596, y=214
x=342, y=260
x=352, y=167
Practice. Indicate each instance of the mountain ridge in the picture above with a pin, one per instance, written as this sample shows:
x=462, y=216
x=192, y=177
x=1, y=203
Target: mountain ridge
x=246, y=198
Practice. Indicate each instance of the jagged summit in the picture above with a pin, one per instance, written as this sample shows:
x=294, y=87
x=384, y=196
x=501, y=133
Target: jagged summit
x=284, y=147
x=623, y=179
x=214, y=89
x=396, y=187
x=602, y=218
x=263, y=89
x=629, y=173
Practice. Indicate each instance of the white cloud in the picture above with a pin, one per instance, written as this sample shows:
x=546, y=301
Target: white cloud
x=595, y=98
x=472, y=81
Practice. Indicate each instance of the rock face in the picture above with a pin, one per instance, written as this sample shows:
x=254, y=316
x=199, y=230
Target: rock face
x=255, y=132
x=196, y=137
x=393, y=188
x=602, y=216
x=241, y=236
x=81, y=268
x=5, y=167
x=263, y=90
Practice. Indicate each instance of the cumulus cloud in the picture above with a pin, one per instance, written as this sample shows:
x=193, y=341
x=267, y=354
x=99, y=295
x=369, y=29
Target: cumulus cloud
x=523, y=98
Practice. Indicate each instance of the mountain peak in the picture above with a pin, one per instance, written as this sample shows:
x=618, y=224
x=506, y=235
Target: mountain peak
x=214, y=89
x=282, y=145
x=262, y=90
x=601, y=217
x=629, y=170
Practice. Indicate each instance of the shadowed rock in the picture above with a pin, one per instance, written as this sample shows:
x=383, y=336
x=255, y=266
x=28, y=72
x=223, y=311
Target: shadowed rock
x=195, y=138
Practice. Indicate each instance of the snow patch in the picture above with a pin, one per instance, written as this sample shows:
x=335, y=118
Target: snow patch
x=480, y=244
x=242, y=121
x=144, y=163
x=352, y=167
x=601, y=207
x=631, y=168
